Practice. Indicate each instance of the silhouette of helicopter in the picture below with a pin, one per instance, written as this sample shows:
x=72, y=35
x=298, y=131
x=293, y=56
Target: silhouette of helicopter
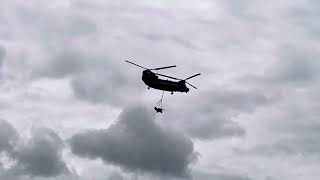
x=152, y=80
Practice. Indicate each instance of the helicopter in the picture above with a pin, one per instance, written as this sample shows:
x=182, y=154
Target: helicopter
x=152, y=80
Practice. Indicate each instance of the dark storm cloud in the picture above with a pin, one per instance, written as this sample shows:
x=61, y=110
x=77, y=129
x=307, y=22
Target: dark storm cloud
x=136, y=142
x=39, y=157
x=8, y=136
x=210, y=113
x=42, y=155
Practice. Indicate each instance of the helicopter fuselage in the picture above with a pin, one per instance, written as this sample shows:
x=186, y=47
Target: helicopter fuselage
x=153, y=81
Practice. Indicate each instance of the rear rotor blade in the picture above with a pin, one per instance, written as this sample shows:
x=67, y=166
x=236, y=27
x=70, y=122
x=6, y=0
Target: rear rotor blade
x=166, y=67
x=193, y=76
x=168, y=76
x=135, y=64
x=192, y=85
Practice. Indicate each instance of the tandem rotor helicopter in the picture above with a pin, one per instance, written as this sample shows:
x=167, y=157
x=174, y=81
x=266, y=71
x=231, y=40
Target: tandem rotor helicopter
x=152, y=80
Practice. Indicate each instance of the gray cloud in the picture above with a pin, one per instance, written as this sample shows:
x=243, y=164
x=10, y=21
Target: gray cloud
x=136, y=142
x=116, y=176
x=71, y=46
x=210, y=113
x=73, y=25
x=8, y=175
x=298, y=138
x=2, y=55
x=64, y=63
x=203, y=175
x=287, y=147
x=98, y=87
x=8, y=136
x=94, y=78
x=198, y=175
x=305, y=17
x=42, y=155
x=299, y=65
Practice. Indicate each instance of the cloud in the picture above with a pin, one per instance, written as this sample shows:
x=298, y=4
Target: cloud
x=305, y=16
x=116, y=176
x=75, y=49
x=2, y=55
x=104, y=86
x=306, y=146
x=299, y=137
x=4, y=174
x=136, y=142
x=8, y=136
x=94, y=77
x=203, y=175
x=198, y=175
x=62, y=64
x=210, y=115
x=41, y=155
x=298, y=66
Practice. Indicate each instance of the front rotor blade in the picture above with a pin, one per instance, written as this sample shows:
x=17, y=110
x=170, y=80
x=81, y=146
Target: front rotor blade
x=168, y=76
x=166, y=67
x=192, y=85
x=193, y=76
x=135, y=64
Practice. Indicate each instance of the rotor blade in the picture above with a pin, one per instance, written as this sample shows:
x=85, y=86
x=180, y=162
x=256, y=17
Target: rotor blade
x=168, y=76
x=192, y=85
x=193, y=76
x=135, y=64
x=166, y=67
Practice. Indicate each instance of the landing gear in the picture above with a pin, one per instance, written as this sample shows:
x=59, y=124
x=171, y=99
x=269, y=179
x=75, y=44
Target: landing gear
x=148, y=87
x=171, y=92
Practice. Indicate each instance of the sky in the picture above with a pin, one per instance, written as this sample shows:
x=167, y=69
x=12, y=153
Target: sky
x=71, y=108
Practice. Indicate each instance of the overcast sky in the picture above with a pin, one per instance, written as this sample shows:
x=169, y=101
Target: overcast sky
x=72, y=109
